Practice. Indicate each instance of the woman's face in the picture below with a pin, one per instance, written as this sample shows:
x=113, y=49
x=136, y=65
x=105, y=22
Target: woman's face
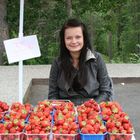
x=74, y=39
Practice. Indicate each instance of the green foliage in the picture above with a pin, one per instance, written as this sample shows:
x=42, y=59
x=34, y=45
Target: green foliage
x=45, y=18
x=42, y=18
x=134, y=58
x=13, y=17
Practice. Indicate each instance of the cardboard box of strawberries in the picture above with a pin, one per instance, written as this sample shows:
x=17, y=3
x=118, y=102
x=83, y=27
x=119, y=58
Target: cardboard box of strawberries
x=61, y=120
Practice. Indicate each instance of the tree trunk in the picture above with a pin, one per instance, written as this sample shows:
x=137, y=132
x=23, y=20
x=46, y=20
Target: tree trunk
x=110, y=46
x=92, y=31
x=69, y=7
x=3, y=28
x=119, y=30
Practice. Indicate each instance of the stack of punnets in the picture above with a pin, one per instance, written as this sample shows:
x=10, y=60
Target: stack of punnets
x=61, y=120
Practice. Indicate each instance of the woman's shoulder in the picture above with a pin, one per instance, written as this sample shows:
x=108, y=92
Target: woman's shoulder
x=97, y=54
x=99, y=58
x=93, y=55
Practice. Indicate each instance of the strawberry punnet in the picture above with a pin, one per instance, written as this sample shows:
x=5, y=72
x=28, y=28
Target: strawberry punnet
x=89, y=119
x=65, y=119
x=40, y=119
x=118, y=123
x=121, y=124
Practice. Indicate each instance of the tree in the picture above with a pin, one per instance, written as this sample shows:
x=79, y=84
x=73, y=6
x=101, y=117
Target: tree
x=3, y=28
x=69, y=7
x=113, y=25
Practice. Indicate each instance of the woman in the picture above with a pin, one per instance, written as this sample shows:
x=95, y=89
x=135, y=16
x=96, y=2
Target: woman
x=79, y=73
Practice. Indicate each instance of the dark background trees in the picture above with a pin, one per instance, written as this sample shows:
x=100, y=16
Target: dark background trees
x=114, y=26
x=3, y=28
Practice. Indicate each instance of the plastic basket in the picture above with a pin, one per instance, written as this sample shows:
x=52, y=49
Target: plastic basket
x=37, y=136
x=2, y=116
x=11, y=136
x=93, y=136
x=65, y=136
x=120, y=136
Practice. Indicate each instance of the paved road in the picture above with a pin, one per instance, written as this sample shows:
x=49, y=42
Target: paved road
x=128, y=95
x=9, y=82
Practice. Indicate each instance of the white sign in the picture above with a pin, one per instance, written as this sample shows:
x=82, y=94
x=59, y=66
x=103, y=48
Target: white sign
x=23, y=48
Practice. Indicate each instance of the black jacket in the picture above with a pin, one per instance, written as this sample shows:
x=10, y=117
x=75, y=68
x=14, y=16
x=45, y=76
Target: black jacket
x=99, y=84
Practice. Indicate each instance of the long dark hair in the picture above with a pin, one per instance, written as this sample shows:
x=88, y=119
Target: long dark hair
x=65, y=56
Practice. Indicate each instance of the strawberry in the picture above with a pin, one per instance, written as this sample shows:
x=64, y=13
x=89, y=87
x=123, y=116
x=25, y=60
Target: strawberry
x=110, y=124
x=84, y=130
x=3, y=106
